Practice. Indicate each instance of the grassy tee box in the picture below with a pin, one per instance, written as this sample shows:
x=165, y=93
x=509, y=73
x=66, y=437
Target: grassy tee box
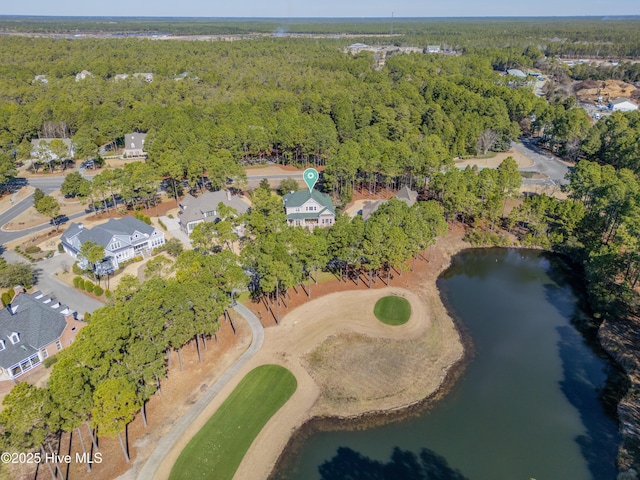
x=216, y=451
x=392, y=310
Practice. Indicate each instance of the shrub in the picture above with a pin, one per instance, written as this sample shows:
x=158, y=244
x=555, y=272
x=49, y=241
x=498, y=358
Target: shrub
x=173, y=247
x=164, y=227
x=49, y=361
x=76, y=269
x=76, y=281
x=81, y=283
x=87, y=316
x=170, y=215
x=5, y=299
x=107, y=293
x=142, y=217
x=98, y=290
x=88, y=286
x=32, y=249
x=60, y=248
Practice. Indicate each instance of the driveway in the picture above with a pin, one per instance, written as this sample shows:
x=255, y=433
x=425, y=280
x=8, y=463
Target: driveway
x=48, y=284
x=173, y=227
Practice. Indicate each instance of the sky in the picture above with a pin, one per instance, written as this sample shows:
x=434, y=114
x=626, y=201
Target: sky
x=320, y=8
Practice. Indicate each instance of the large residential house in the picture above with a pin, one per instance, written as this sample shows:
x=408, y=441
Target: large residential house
x=122, y=239
x=134, y=145
x=205, y=208
x=405, y=194
x=33, y=327
x=309, y=209
x=36, y=143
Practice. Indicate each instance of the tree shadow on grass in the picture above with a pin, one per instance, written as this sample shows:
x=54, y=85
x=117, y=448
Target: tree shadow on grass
x=404, y=465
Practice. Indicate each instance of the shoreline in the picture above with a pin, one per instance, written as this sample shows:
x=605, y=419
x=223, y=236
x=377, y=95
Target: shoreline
x=380, y=417
x=302, y=415
x=310, y=419
x=344, y=310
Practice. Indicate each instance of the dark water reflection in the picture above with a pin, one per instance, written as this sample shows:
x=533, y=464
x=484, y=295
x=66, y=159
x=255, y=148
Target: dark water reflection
x=529, y=405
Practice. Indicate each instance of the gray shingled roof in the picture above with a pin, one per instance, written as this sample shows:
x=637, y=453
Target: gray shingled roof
x=37, y=323
x=137, y=139
x=102, y=234
x=369, y=208
x=407, y=195
x=193, y=208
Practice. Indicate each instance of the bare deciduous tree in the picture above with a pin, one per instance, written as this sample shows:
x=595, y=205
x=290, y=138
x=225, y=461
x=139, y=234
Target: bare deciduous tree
x=486, y=141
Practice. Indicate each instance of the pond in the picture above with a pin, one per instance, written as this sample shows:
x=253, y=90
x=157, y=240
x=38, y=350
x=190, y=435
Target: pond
x=529, y=404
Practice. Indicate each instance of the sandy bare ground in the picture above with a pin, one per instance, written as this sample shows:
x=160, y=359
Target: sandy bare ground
x=31, y=218
x=521, y=160
x=10, y=199
x=353, y=208
x=550, y=190
x=339, y=316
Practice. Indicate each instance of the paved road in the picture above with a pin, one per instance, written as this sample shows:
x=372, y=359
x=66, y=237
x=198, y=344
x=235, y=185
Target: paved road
x=543, y=162
x=166, y=443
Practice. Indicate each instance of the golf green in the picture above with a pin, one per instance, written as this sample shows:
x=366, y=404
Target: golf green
x=392, y=310
x=218, y=448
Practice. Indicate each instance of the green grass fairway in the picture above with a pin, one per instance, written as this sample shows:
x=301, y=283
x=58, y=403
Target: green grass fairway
x=216, y=451
x=392, y=310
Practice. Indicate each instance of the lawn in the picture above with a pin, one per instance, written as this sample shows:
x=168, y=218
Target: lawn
x=216, y=451
x=392, y=310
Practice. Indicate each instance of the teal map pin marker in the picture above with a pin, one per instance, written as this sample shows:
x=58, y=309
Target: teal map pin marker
x=310, y=177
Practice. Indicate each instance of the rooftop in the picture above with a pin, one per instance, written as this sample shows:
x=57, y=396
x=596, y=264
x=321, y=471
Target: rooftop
x=37, y=319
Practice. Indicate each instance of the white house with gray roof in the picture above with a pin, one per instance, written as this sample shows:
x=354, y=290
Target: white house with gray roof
x=195, y=210
x=122, y=239
x=33, y=327
x=309, y=209
x=134, y=145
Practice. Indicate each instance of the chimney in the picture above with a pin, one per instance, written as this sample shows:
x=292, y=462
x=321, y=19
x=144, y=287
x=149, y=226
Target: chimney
x=80, y=226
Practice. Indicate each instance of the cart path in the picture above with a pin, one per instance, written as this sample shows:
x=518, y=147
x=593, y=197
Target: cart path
x=166, y=443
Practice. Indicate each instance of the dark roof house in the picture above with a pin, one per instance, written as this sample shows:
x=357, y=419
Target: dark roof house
x=33, y=327
x=195, y=210
x=405, y=194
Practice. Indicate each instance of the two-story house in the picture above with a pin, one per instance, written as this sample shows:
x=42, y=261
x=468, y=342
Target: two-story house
x=309, y=209
x=122, y=239
x=134, y=145
x=33, y=327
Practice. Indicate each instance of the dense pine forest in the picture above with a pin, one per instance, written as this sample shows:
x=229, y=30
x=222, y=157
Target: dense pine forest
x=213, y=107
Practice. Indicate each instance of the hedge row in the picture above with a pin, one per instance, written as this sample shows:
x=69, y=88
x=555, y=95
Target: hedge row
x=87, y=285
x=24, y=254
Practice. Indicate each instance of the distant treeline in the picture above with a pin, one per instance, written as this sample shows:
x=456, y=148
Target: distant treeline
x=556, y=36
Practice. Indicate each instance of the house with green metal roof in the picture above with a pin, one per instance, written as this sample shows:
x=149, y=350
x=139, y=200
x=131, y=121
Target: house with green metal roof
x=309, y=209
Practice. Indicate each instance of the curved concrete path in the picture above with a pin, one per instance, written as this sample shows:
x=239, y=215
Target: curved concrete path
x=148, y=472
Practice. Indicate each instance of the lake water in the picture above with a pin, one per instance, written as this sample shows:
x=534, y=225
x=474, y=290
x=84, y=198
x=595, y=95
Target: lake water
x=526, y=407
